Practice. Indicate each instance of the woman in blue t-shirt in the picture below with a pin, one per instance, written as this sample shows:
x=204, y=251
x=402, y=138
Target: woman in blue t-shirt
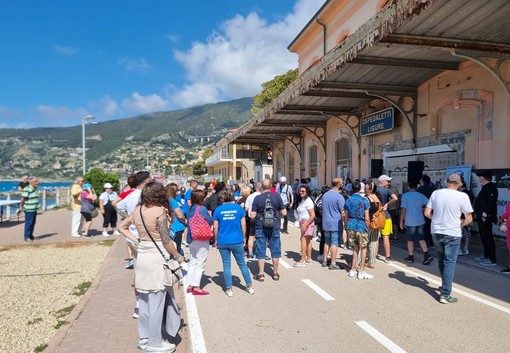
x=178, y=220
x=229, y=234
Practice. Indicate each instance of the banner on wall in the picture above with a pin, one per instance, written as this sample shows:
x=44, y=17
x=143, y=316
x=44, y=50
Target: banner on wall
x=463, y=171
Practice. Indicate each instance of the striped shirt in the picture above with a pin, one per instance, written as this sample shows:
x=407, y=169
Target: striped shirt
x=31, y=201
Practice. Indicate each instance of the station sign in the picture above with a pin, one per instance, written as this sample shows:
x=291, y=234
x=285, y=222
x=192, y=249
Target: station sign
x=377, y=122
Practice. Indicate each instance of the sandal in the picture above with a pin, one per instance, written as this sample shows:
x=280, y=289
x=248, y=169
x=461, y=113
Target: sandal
x=259, y=277
x=276, y=277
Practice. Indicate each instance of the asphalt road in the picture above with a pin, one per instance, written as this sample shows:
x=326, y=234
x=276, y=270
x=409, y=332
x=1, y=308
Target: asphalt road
x=397, y=311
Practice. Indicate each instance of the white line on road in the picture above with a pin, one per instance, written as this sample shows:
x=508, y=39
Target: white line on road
x=459, y=291
x=195, y=328
x=382, y=339
x=284, y=264
x=318, y=289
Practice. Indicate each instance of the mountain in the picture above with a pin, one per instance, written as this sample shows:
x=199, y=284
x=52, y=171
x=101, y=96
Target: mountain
x=119, y=145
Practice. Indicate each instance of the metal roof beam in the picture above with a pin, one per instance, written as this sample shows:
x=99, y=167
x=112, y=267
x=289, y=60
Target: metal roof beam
x=296, y=124
x=418, y=64
x=314, y=110
x=314, y=92
x=409, y=39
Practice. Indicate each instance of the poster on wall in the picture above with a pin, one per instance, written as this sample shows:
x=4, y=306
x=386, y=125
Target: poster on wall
x=501, y=177
x=463, y=171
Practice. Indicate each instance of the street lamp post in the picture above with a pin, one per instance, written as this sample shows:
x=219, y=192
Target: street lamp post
x=83, y=122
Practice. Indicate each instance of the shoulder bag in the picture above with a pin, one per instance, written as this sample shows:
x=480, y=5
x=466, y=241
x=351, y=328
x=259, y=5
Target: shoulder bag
x=378, y=219
x=172, y=268
x=199, y=227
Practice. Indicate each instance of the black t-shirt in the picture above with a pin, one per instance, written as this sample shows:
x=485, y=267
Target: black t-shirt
x=23, y=185
x=259, y=206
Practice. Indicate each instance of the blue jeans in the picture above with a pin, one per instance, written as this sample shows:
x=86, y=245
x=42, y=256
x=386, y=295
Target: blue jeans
x=447, y=248
x=30, y=218
x=238, y=251
x=262, y=237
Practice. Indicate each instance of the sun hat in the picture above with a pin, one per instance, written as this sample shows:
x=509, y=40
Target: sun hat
x=108, y=186
x=86, y=186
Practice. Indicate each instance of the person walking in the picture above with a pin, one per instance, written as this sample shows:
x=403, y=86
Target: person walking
x=306, y=218
x=332, y=215
x=108, y=210
x=267, y=229
x=159, y=317
x=486, y=204
x=30, y=205
x=229, y=237
x=77, y=219
x=198, y=249
x=413, y=221
x=445, y=208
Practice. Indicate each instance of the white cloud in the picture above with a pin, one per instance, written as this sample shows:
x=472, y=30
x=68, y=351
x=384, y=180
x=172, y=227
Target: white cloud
x=106, y=106
x=58, y=116
x=66, y=50
x=242, y=54
x=174, y=38
x=140, y=64
x=145, y=104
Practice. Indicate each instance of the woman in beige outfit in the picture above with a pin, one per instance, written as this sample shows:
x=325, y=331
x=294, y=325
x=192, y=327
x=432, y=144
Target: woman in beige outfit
x=155, y=299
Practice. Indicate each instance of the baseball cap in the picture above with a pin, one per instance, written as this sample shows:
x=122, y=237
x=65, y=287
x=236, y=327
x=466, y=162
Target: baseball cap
x=183, y=189
x=87, y=186
x=108, y=186
x=384, y=177
x=454, y=178
x=193, y=180
x=486, y=174
x=283, y=179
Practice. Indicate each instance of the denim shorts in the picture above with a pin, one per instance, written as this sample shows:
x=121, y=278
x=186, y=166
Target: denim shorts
x=265, y=236
x=415, y=232
x=331, y=238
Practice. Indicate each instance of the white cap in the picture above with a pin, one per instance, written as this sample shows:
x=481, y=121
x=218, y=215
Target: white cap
x=283, y=179
x=384, y=177
x=108, y=186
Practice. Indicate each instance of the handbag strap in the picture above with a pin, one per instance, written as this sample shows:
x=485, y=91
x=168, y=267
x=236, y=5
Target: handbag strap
x=149, y=233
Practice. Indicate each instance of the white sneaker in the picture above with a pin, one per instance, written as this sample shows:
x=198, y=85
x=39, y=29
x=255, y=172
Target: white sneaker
x=166, y=347
x=352, y=273
x=76, y=235
x=105, y=234
x=143, y=343
x=488, y=263
x=364, y=275
x=249, y=289
x=229, y=292
x=116, y=232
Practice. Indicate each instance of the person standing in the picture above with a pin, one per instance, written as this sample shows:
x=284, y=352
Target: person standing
x=505, y=217
x=23, y=183
x=374, y=198
x=412, y=221
x=77, y=220
x=388, y=197
x=332, y=213
x=306, y=218
x=265, y=235
x=193, y=184
x=179, y=221
x=88, y=196
x=30, y=204
x=285, y=192
x=445, y=208
x=251, y=228
x=229, y=237
x=108, y=210
x=426, y=189
x=486, y=214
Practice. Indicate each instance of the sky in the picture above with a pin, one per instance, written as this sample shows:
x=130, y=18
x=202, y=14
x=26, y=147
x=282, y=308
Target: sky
x=61, y=60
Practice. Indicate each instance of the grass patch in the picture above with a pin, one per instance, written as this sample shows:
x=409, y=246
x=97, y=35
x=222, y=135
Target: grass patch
x=61, y=314
x=35, y=321
x=108, y=242
x=40, y=347
x=81, y=288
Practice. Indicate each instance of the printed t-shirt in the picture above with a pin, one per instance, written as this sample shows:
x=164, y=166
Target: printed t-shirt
x=355, y=207
x=229, y=217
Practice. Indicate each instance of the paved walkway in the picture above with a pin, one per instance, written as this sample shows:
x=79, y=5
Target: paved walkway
x=102, y=321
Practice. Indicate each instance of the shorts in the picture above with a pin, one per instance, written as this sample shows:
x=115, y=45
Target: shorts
x=358, y=237
x=388, y=228
x=251, y=231
x=466, y=232
x=415, y=232
x=87, y=216
x=309, y=231
x=331, y=238
x=265, y=236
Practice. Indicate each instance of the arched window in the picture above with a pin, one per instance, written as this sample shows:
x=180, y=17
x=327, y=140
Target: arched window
x=342, y=158
x=312, y=160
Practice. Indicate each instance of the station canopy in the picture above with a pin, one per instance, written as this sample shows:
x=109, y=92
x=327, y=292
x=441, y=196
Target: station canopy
x=403, y=46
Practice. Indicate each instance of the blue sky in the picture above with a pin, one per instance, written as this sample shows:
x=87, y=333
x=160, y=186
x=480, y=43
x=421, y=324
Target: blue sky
x=61, y=59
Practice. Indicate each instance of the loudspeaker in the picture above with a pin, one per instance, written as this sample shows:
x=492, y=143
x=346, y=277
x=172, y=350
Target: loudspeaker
x=415, y=171
x=376, y=168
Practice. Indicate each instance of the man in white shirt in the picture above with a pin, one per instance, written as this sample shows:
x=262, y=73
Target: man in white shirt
x=285, y=192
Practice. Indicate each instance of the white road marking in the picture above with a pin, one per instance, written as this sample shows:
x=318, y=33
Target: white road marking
x=379, y=337
x=195, y=328
x=318, y=289
x=459, y=291
x=284, y=264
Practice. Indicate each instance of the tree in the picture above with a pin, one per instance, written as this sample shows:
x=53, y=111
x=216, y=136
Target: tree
x=98, y=178
x=272, y=89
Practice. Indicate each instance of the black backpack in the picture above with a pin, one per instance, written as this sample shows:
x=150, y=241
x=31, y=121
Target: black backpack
x=268, y=217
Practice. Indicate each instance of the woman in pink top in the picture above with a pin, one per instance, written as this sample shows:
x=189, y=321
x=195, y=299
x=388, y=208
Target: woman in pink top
x=506, y=217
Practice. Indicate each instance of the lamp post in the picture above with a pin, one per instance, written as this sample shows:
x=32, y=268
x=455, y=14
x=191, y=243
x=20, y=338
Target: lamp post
x=83, y=122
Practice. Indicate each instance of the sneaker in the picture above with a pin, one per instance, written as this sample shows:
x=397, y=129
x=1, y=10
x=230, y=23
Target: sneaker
x=352, y=273
x=320, y=258
x=506, y=271
x=116, y=232
x=364, y=275
x=105, y=234
x=130, y=264
x=409, y=259
x=86, y=236
x=488, y=263
x=300, y=264
x=249, y=289
x=395, y=240
x=427, y=259
x=135, y=315
x=466, y=252
x=165, y=347
x=343, y=246
x=389, y=259
x=480, y=259
x=229, y=292
x=75, y=235
x=324, y=264
x=447, y=300
x=334, y=267
x=143, y=343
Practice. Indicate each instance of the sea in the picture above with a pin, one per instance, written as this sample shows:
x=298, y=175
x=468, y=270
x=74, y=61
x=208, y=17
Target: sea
x=11, y=187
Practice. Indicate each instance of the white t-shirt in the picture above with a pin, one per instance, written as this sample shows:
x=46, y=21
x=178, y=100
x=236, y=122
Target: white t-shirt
x=249, y=201
x=108, y=197
x=128, y=205
x=448, y=205
x=302, y=210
